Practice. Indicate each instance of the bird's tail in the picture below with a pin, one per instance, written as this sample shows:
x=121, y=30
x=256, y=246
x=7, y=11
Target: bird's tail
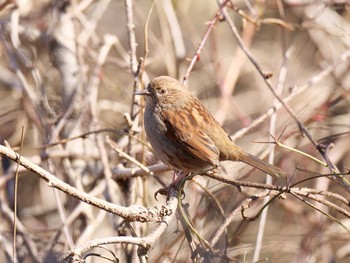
x=261, y=165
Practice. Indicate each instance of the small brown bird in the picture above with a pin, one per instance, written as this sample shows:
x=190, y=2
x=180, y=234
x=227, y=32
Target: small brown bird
x=183, y=133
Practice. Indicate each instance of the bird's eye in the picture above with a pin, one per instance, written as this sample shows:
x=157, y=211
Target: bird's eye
x=162, y=91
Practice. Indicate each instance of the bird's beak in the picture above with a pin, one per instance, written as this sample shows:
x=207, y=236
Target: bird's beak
x=142, y=92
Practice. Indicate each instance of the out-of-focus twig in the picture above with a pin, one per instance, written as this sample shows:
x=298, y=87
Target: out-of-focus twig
x=127, y=156
x=131, y=36
x=122, y=173
x=298, y=90
x=8, y=215
x=272, y=131
x=177, y=38
x=232, y=74
x=301, y=125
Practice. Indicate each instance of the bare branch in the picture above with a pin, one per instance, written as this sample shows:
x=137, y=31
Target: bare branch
x=132, y=213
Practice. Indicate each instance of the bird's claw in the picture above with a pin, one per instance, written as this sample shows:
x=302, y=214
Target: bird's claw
x=164, y=191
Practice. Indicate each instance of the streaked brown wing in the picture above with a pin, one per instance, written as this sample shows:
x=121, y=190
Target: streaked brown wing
x=184, y=129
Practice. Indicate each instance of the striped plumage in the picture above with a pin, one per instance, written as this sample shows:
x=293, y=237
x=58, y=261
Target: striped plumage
x=185, y=135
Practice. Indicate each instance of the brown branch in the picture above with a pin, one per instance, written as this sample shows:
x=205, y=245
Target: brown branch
x=144, y=243
x=205, y=37
x=242, y=206
x=132, y=213
x=272, y=190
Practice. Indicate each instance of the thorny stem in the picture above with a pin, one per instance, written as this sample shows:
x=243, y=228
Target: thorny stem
x=201, y=45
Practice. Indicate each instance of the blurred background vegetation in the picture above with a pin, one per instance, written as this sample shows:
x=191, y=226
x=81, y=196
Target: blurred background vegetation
x=71, y=67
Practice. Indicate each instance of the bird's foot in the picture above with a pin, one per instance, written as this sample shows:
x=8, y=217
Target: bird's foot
x=177, y=178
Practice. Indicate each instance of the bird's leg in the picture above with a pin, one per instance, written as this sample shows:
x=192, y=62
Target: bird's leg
x=177, y=178
x=174, y=175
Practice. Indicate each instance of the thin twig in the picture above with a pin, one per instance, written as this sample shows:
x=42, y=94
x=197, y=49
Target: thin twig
x=127, y=156
x=313, y=80
x=244, y=204
x=204, y=39
x=272, y=131
x=16, y=202
x=301, y=126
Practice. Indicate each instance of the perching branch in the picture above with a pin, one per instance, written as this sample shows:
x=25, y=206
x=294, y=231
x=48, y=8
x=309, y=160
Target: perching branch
x=131, y=213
